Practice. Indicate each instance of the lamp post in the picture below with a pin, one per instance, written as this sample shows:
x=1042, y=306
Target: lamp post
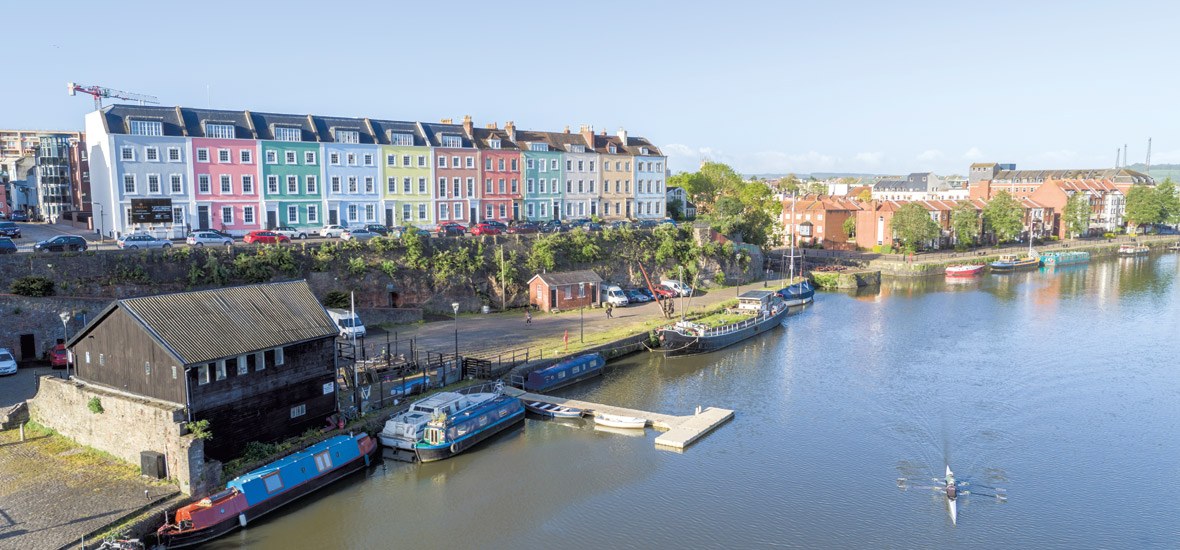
x=65, y=318
x=455, y=307
x=101, y=238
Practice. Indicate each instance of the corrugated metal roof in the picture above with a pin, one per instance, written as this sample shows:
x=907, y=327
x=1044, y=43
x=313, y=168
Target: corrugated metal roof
x=211, y=324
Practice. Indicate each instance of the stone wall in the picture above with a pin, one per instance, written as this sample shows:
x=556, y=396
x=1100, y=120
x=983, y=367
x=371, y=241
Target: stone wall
x=20, y=315
x=126, y=427
x=393, y=315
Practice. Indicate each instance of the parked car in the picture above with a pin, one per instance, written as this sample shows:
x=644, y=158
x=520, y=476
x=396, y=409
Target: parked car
x=59, y=356
x=7, y=246
x=290, y=232
x=620, y=224
x=202, y=238
x=646, y=292
x=9, y=229
x=357, y=234
x=678, y=287
x=668, y=221
x=615, y=296
x=498, y=225
x=262, y=236
x=485, y=228
x=220, y=232
x=332, y=230
x=646, y=224
x=451, y=229
x=378, y=229
x=19, y=217
x=7, y=362
x=554, y=226
x=523, y=228
x=663, y=292
x=592, y=227
x=634, y=295
x=399, y=232
x=141, y=240
x=62, y=243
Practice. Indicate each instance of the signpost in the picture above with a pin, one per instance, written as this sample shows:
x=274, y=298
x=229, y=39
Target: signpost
x=151, y=211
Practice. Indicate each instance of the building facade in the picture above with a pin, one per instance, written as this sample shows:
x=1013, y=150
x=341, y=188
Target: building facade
x=455, y=171
x=54, y=186
x=351, y=171
x=649, y=177
x=406, y=171
x=543, y=177
x=291, y=172
x=500, y=174
x=226, y=190
x=615, y=169
x=580, y=191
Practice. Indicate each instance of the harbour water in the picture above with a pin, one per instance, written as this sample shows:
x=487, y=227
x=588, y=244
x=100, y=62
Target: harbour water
x=1062, y=387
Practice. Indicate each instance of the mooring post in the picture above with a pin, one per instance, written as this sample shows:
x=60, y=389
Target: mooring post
x=22, y=432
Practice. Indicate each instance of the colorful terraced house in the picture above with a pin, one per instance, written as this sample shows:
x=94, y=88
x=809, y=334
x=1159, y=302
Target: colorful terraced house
x=615, y=174
x=406, y=171
x=581, y=191
x=543, y=176
x=351, y=172
x=455, y=170
x=500, y=197
x=649, y=175
x=225, y=168
x=291, y=171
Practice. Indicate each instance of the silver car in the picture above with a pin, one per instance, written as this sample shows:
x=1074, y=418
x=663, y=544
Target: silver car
x=7, y=362
x=202, y=238
x=357, y=234
x=140, y=240
x=291, y=232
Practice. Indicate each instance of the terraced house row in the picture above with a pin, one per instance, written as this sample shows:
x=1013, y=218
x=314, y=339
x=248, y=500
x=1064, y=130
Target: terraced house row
x=239, y=171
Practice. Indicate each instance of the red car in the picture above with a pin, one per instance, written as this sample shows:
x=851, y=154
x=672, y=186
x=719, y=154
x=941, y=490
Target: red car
x=58, y=356
x=484, y=229
x=663, y=292
x=265, y=237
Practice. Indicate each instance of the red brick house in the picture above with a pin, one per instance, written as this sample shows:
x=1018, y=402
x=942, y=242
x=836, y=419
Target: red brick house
x=568, y=290
x=819, y=219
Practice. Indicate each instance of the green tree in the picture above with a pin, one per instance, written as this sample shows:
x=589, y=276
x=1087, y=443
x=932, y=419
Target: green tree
x=912, y=224
x=1077, y=214
x=1170, y=200
x=850, y=226
x=699, y=188
x=1143, y=206
x=965, y=223
x=673, y=210
x=1004, y=216
x=865, y=195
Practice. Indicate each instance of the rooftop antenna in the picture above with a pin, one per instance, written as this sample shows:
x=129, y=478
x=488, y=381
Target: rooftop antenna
x=99, y=92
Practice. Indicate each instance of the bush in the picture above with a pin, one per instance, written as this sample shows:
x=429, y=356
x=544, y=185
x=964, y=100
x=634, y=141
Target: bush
x=336, y=299
x=95, y=405
x=36, y=287
x=200, y=429
x=826, y=280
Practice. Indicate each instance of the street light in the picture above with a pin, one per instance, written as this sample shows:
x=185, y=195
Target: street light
x=455, y=307
x=65, y=318
x=101, y=238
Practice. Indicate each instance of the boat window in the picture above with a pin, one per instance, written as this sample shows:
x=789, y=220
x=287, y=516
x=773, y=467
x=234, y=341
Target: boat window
x=323, y=462
x=560, y=375
x=273, y=482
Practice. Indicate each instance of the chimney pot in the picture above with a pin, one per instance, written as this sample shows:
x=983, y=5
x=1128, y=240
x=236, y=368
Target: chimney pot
x=567, y=129
x=446, y=121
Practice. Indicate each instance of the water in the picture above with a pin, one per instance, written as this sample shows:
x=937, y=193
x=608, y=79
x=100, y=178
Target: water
x=1061, y=387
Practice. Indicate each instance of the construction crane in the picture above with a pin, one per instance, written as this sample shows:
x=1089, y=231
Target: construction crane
x=99, y=92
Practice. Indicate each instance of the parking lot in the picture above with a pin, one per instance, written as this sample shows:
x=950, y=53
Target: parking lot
x=22, y=386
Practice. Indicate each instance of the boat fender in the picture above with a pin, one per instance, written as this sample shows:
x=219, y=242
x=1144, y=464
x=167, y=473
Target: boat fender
x=242, y=519
x=455, y=448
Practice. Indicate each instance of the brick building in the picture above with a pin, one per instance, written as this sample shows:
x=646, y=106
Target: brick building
x=568, y=290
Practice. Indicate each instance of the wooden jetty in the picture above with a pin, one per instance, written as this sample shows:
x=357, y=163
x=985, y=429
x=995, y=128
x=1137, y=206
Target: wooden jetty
x=680, y=431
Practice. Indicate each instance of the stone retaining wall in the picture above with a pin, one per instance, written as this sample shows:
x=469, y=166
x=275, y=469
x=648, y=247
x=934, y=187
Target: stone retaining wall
x=126, y=427
x=41, y=318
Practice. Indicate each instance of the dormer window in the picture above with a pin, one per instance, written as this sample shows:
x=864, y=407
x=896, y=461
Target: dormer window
x=494, y=143
x=452, y=141
x=612, y=149
x=538, y=147
x=287, y=133
x=348, y=136
x=643, y=150
x=147, y=128
x=401, y=139
x=220, y=131
x=577, y=148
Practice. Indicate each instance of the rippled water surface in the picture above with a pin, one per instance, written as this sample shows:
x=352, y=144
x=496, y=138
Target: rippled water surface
x=1062, y=387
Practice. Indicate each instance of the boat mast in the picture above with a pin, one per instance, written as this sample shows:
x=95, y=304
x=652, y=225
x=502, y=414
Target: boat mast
x=794, y=231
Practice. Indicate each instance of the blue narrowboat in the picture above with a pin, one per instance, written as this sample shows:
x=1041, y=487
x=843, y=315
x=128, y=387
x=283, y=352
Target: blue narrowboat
x=1058, y=259
x=565, y=373
x=250, y=496
x=447, y=436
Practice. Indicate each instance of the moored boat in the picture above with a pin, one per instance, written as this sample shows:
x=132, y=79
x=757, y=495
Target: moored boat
x=764, y=310
x=964, y=270
x=565, y=373
x=448, y=435
x=1133, y=250
x=552, y=410
x=797, y=294
x=404, y=430
x=619, y=421
x=1009, y=263
x=1058, y=259
x=1174, y=247
x=250, y=496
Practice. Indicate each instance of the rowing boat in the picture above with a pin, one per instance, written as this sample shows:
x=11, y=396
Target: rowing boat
x=951, y=491
x=552, y=410
x=616, y=421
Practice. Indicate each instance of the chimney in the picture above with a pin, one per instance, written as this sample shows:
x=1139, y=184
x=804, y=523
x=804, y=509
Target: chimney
x=490, y=126
x=511, y=129
x=604, y=132
x=567, y=129
x=588, y=135
x=447, y=121
x=623, y=136
x=467, y=125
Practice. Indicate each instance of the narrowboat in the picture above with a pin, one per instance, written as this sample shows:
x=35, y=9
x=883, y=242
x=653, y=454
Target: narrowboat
x=765, y=310
x=1133, y=250
x=797, y=294
x=964, y=270
x=250, y=496
x=449, y=435
x=1009, y=263
x=404, y=430
x=1058, y=259
x=565, y=373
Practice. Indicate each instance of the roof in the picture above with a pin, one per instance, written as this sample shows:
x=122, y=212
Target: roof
x=899, y=185
x=634, y=143
x=326, y=124
x=434, y=132
x=756, y=294
x=195, y=120
x=568, y=278
x=385, y=128
x=201, y=326
x=483, y=137
x=118, y=118
x=559, y=140
x=1118, y=175
x=265, y=123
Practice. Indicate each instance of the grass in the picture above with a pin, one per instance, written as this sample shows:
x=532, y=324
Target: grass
x=721, y=319
x=56, y=452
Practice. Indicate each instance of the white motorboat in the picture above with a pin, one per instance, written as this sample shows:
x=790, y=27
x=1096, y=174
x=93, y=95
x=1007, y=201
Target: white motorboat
x=404, y=430
x=617, y=421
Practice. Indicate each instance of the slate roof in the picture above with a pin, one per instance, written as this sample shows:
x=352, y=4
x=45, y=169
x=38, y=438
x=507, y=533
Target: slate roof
x=1118, y=175
x=484, y=135
x=634, y=143
x=193, y=119
x=384, y=128
x=118, y=117
x=559, y=140
x=568, y=278
x=325, y=125
x=205, y=325
x=435, y=130
x=899, y=185
x=264, y=123
x=526, y=137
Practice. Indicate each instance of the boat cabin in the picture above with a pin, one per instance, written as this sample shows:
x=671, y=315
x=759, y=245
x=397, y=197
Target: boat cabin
x=754, y=301
x=565, y=372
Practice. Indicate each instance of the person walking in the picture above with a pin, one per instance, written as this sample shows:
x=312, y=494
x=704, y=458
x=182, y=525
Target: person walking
x=609, y=310
x=528, y=316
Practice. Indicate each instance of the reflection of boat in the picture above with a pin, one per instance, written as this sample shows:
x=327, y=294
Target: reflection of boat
x=1133, y=250
x=766, y=311
x=404, y=430
x=618, y=421
x=1058, y=259
x=553, y=411
x=951, y=494
x=250, y=496
x=446, y=436
x=564, y=373
x=1009, y=263
x=1174, y=247
x=965, y=270
x=618, y=431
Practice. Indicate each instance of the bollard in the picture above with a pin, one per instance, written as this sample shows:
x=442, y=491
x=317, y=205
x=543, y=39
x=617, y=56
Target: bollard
x=22, y=432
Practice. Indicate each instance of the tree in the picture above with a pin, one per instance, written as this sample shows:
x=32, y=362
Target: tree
x=1170, y=199
x=912, y=224
x=850, y=226
x=965, y=223
x=699, y=188
x=673, y=210
x=865, y=195
x=1143, y=206
x=1077, y=214
x=1004, y=216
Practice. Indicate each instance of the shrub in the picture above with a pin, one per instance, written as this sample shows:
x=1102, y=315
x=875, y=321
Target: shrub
x=200, y=429
x=336, y=299
x=825, y=280
x=36, y=287
x=357, y=267
x=95, y=405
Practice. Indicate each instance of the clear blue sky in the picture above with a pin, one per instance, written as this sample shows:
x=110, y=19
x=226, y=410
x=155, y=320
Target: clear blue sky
x=872, y=86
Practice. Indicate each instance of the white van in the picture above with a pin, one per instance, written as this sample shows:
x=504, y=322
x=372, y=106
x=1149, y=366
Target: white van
x=678, y=287
x=614, y=295
x=350, y=325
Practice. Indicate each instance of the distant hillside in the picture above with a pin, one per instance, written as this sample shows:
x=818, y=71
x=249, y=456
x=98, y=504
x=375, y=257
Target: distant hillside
x=1159, y=171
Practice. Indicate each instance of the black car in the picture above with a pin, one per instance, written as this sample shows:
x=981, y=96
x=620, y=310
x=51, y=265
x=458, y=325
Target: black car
x=621, y=224
x=7, y=246
x=497, y=224
x=592, y=227
x=554, y=226
x=522, y=228
x=19, y=217
x=62, y=243
x=647, y=224
x=378, y=229
x=451, y=229
x=9, y=229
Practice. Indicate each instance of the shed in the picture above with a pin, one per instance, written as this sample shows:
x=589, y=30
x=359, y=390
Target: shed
x=567, y=290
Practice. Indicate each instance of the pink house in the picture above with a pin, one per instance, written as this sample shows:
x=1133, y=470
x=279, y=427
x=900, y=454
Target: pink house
x=227, y=192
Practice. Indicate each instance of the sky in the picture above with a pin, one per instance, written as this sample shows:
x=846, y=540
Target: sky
x=768, y=87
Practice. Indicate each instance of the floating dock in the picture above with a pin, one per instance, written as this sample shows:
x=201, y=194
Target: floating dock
x=680, y=431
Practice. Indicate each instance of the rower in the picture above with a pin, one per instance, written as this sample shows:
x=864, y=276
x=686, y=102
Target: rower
x=951, y=490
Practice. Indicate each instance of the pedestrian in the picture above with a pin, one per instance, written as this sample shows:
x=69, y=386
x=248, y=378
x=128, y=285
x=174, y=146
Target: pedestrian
x=609, y=309
x=528, y=316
